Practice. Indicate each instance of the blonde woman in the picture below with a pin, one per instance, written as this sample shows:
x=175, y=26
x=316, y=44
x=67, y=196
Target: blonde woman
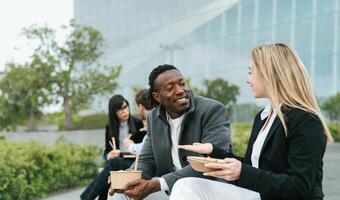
x=287, y=143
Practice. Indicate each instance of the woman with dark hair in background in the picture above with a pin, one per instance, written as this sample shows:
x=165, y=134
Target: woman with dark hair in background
x=121, y=125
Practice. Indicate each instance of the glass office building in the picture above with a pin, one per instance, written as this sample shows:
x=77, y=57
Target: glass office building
x=207, y=39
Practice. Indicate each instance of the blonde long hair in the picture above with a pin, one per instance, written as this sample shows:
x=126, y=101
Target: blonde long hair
x=286, y=80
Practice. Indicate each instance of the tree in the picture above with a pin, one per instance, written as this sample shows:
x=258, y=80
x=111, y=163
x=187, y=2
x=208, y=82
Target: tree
x=77, y=75
x=194, y=89
x=220, y=90
x=25, y=91
x=244, y=112
x=332, y=107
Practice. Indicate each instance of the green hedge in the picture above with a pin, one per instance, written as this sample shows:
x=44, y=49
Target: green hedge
x=95, y=121
x=240, y=137
x=241, y=133
x=30, y=170
x=334, y=128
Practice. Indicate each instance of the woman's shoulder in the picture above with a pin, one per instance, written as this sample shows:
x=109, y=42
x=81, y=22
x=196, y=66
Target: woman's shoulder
x=298, y=119
x=298, y=114
x=138, y=122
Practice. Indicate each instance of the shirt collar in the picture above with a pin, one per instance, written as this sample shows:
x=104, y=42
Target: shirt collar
x=266, y=112
x=180, y=118
x=123, y=124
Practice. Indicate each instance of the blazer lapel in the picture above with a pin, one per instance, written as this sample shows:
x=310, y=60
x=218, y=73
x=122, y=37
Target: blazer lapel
x=258, y=123
x=271, y=132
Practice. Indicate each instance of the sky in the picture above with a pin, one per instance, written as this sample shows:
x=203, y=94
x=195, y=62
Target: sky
x=16, y=14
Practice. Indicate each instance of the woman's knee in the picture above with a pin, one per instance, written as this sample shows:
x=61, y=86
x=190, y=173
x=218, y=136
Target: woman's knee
x=185, y=183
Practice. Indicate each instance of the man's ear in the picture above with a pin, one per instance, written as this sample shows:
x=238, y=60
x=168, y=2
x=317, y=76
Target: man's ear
x=156, y=96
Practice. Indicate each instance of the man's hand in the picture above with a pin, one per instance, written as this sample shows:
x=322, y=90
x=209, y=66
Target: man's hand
x=205, y=148
x=139, y=189
x=127, y=142
x=145, y=127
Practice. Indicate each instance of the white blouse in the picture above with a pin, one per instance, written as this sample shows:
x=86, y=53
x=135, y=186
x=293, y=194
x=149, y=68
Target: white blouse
x=261, y=137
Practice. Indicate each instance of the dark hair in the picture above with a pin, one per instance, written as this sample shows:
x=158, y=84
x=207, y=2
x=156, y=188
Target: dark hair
x=115, y=104
x=142, y=98
x=152, y=77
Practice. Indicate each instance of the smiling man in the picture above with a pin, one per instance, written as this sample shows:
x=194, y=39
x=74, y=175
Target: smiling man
x=180, y=117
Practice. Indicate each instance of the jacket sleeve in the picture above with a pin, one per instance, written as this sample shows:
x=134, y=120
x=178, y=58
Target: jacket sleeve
x=215, y=130
x=146, y=161
x=306, y=146
x=108, y=147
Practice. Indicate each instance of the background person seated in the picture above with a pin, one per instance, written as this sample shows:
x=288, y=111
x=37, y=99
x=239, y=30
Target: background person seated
x=121, y=126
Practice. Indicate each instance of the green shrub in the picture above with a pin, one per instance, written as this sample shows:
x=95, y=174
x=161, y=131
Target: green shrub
x=95, y=121
x=334, y=128
x=240, y=137
x=30, y=170
x=241, y=133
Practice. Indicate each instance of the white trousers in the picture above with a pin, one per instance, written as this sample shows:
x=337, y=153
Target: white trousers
x=154, y=196
x=201, y=189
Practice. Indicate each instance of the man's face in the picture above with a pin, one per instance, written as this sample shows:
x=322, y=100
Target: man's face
x=172, y=93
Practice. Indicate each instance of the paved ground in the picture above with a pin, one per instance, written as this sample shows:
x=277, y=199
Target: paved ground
x=331, y=180
x=69, y=195
x=331, y=168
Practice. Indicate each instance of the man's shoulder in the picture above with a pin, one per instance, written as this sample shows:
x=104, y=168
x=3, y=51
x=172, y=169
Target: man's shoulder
x=206, y=103
x=153, y=114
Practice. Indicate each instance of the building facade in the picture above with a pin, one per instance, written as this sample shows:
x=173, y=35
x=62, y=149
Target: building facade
x=207, y=39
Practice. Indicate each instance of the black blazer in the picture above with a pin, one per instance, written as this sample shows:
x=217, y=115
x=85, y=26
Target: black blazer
x=289, y=167
x=136, y=137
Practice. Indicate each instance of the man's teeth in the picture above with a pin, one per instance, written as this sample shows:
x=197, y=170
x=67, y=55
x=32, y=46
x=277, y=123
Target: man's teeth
x=182, y=99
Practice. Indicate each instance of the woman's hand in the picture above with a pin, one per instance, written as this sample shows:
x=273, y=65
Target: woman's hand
x=113, y=154
x=205, y=148
x=228, y=169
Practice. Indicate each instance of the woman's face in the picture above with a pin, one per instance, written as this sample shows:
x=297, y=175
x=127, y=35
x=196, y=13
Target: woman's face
x=256, y=83
x=123, y=113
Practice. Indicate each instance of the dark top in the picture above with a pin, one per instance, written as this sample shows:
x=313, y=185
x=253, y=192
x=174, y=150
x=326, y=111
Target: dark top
x=136, y=137
x=289, y=167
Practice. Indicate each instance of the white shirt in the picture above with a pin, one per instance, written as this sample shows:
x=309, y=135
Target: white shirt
x=261, y=137
x=136, y=148
x=258, y=144
x=175, y=127
x=123, y=133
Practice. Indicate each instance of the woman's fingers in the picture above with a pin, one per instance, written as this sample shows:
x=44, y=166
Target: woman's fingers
x=229, y=169
x=219, y=173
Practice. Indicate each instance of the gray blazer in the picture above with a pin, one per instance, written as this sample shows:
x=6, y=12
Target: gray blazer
x=206, y=121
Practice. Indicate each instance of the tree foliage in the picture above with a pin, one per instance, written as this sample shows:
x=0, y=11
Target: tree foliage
x=77, y=75
x=220, y=90
x=332, y=107
x=25, y=91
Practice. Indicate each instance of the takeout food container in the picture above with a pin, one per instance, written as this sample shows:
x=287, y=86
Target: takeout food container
x=120, y=178
x=127, y=155
x=197, y=163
